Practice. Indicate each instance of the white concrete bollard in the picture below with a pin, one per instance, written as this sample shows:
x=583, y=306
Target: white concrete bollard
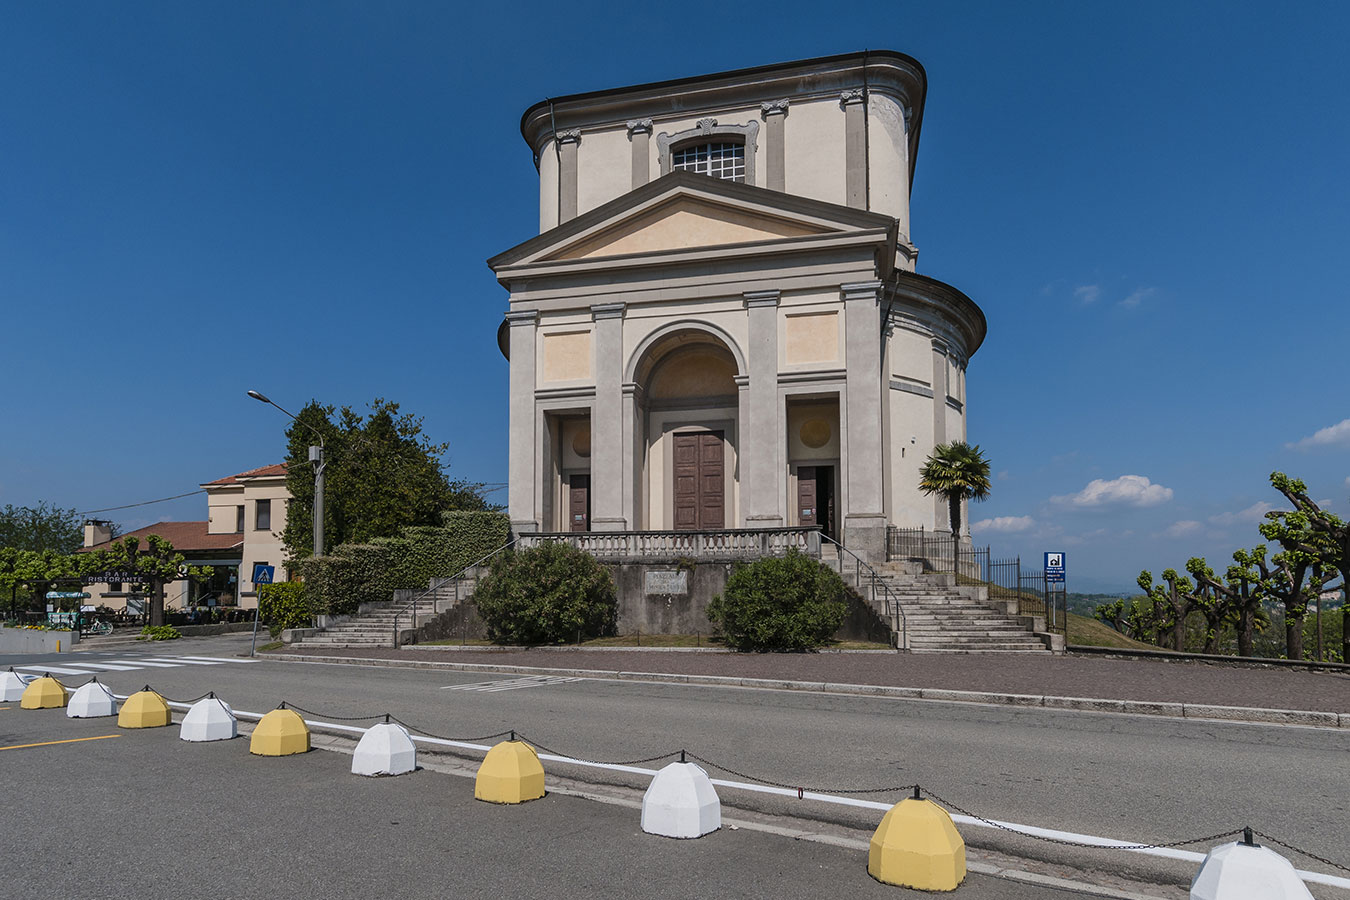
x=11, y=686
x=681, y=803
x=1246, y=871
x=209, y=719
x=385, y=749
x=91, y=700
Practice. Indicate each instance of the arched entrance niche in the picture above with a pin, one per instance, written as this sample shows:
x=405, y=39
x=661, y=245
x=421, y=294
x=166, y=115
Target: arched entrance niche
x=689, y=420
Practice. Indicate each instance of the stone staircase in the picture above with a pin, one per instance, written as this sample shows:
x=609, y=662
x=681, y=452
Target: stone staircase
x=374, y=623
x=944, y=617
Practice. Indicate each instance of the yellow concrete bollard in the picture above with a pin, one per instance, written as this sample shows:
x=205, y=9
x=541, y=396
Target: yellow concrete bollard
x=143, y=709
x=917, y=846
x=44, y=693
x=510, y=773
x=280, y=733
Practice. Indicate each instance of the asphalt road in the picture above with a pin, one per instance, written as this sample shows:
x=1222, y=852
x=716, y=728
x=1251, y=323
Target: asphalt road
x=1133, y=778
x=141, y=814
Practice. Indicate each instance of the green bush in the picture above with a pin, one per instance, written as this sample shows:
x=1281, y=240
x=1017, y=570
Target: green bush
x=548, y=594
x=159, y=633
x=352, y=574
x=787, y=602
x=284, y=605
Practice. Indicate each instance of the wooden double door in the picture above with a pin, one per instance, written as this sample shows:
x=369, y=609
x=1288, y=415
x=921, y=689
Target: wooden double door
x=700, y=481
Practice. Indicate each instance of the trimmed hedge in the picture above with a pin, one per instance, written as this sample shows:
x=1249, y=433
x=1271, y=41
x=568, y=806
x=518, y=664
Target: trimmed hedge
x=352, y=574
x=549, y=594
x=284, y=605
x=787, y=602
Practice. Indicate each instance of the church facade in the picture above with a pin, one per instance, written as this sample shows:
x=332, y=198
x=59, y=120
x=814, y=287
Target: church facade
x=719, y=325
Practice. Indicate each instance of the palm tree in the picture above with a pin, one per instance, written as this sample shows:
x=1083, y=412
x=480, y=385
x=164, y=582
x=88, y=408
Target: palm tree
x=957, y=471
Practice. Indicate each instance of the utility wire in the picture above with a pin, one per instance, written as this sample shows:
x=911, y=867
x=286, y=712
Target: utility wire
x=146, y=503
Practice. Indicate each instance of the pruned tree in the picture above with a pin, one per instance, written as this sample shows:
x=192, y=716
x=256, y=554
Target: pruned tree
x=1316, y=543
x=1212, y=599
x=1133, y=619
x=1239, y=589
x=156, y=564
x=1171, y=605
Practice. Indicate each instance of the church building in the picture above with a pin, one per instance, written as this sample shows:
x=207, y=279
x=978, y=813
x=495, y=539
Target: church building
x=719, y=325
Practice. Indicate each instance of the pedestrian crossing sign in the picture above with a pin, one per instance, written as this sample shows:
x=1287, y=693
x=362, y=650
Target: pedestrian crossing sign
x=262, y=573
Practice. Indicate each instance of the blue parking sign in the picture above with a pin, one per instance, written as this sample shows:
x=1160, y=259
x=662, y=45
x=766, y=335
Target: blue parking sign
x=263, y=574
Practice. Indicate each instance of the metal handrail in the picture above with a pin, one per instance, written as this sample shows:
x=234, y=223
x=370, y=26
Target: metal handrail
x=892, y=603
x=398, y=614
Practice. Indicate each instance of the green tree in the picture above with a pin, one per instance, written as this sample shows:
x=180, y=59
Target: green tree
x=382, y=474
x=1316, y=543
x=957, y=471
x=1238, y=588
x=1171, y=605
x=41, y=527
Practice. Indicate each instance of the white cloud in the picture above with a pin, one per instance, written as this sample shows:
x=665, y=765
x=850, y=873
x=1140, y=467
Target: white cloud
x=1337, y=435
x=1008, y=524
x=1254, y=513
x=1139, y=296
x=1127, y=490
x=1003, y=476
x=1087, y=293
x=1183, y=528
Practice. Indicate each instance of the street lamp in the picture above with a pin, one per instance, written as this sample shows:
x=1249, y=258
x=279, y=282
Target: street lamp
x=316, y=458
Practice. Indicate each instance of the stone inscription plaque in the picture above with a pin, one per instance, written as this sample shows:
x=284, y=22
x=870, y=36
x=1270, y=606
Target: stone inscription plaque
x=665, y=581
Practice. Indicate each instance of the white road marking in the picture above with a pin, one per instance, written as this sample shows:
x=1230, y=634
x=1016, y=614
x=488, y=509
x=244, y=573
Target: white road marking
x=188, y=660
x=511, y=684
x=59, y=670
x=153, y=665
x=107, y=666
x=224, y=659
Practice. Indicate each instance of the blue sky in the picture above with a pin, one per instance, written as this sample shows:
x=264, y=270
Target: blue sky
x=1148, y=200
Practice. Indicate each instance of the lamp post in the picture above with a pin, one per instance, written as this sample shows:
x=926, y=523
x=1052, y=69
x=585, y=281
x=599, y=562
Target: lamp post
x=317, y=459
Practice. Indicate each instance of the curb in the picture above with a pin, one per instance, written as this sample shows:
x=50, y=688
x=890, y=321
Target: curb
x=1238, y=714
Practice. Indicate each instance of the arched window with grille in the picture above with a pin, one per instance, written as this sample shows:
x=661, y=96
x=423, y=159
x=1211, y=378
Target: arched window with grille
x=719, y=151
x=720, y=159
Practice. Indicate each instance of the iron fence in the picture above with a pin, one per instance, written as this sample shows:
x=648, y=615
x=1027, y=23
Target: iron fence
x=942, y=553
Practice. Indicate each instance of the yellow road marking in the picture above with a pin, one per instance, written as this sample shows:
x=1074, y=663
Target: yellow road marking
x=101, y=737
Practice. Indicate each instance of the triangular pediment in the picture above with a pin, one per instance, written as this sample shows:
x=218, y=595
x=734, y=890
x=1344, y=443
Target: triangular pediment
x=684, y=222
x=683, y=212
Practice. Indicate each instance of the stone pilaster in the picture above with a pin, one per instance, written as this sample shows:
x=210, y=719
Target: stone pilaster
x=523, y=440
x=567, y=174
x=775, y=115
x=855, y=148
x=760, y=438
x=607, y=425
x=864, y=518
x=640, y=134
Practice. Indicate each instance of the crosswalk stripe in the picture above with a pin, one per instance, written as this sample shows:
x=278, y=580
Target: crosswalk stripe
x=153, y=665
x=58, y=670
x=107, y=666
x=224, y=659
x=188, y=660
x=515, y=684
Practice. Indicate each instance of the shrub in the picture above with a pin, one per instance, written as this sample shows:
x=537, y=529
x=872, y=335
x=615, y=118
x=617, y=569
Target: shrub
x=787, y=602
x=159, y=633
x=352, y=574
x=546, y=595
x=284, y=605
